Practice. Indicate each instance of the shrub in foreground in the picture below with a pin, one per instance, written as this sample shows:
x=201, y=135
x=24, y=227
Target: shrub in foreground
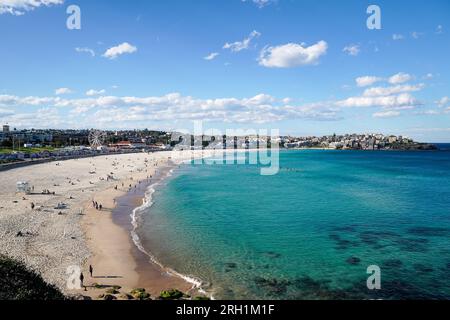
x=17, y=282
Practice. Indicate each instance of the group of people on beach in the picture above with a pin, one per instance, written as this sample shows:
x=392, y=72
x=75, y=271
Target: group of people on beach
x=91, y=271
x=97, y=206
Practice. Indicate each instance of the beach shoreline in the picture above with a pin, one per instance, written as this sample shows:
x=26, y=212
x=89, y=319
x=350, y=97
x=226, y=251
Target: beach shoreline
x=114, y=251
x=56, y=228
x=152, y=275
x=118, y=258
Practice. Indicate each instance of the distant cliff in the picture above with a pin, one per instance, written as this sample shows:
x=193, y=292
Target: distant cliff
x=366, y=141
x=414, y=146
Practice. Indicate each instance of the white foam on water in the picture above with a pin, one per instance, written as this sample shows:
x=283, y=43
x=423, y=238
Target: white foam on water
x=147, y=202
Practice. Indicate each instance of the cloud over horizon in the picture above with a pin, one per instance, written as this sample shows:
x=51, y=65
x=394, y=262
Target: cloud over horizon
x=131, y=111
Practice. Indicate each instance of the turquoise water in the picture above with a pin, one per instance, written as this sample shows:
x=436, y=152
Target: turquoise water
x=311, y=231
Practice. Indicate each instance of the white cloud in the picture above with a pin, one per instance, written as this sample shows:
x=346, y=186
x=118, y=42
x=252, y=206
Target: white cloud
x=44, y=117
x=430, y=129
x=397, y=36
x=61, y=91
x=114, y=52
x=244, y=44
x=117, y=111
x=427, y=112
x=5, y=112
x=292, y=55
x=260, y=3
x=80, y=110
x=400, y=78
x=367, y=81
x=19, y=7
x=391, y=101
x=93, y=92
x=416, y=34
x=86, y=50
x=443, y=102
x=387, y=91
x=211, y=56
x=386, y=114
x=439, y=29
x=137, y=112
x=352, y=50
x=11, y=101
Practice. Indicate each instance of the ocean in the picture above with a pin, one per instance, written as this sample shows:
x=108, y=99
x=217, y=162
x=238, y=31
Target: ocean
x=312, y=230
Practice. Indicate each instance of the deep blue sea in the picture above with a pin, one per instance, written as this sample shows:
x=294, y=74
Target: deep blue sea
x=311, y=231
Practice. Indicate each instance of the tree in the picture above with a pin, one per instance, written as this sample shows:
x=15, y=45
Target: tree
x=7, y=144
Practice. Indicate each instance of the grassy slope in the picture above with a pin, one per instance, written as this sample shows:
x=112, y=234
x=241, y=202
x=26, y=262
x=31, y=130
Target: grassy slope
x=26, y=150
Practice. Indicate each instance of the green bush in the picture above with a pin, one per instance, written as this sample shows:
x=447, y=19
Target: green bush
x=140, y=294
x=172, y=294
x=112, y=291
x=17, y=282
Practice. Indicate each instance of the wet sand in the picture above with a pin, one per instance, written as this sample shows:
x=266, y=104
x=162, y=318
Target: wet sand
x=150, y=275
x=116, y=260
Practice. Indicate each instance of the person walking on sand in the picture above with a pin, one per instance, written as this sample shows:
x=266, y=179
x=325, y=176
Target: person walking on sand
x=91, y=270
x=81, y=280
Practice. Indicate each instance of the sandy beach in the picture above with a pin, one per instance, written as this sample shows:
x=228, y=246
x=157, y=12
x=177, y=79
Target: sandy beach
x=64, y=229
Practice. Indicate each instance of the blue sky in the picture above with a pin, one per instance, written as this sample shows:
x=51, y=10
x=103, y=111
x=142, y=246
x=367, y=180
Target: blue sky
x=286, y=64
